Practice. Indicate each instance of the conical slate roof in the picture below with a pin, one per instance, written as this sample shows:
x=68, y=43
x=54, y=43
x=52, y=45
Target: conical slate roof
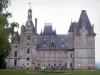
x=83, y=22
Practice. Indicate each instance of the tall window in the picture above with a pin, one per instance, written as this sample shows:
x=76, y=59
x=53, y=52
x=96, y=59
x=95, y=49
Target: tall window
x=28, y=37
x=49, y=64
x=15, y=62
x=28, y=50
x=65, y=64
x=54, y=65
x=15, y=53
x=70, y=64
x=71, y=55
x=28, y=43
x=27, y=59
x=60, y=64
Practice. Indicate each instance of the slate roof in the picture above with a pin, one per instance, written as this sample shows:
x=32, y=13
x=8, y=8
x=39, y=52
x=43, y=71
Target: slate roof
x=49, y=36
x=44, y=42
x=75, y=26
x=48, y=30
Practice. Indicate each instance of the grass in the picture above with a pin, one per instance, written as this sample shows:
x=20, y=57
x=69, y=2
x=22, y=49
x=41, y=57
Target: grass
x=44, y=72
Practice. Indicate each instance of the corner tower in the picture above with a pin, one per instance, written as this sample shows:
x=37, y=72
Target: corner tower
x=83, y=42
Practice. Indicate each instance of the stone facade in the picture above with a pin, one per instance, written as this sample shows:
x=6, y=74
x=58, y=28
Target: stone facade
x=75, y=50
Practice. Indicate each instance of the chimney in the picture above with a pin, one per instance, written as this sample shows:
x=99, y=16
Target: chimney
x=36, y=25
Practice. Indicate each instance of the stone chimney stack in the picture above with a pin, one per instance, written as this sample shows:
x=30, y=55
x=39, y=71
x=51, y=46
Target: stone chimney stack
x=36, y=24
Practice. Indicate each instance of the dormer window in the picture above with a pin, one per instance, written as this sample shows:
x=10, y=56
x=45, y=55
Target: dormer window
x=44, y=39
x=52, y=44
x=44, y=46
x=62, y=45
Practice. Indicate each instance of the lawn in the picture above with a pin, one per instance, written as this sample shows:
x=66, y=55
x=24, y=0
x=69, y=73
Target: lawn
x=49, y=72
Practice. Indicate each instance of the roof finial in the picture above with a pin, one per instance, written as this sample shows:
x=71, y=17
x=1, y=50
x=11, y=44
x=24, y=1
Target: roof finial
x=30, y=5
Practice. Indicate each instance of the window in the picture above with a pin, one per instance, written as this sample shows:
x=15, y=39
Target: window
x=71, y=55
x=44, y=42
x=28, y=43
x=49, y=64
x=44, y=46
x=28, y=50
x=28, y=37
x=38, y=64
x=15, y=62
x=60, y=65
x=44, y=39
x=54, y=64
x=52, y=44
x=62, y=45
x=65, y=64
x=70, y=64
x=27, y=59
x=15, y=46
x=15, y=53
x=27, y=63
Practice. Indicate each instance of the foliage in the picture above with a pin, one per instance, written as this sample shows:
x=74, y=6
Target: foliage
x=4, y=4
x=6, y=30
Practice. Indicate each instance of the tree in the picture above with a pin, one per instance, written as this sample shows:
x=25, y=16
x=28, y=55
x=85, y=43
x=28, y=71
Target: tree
x=4, y=4
x=6, y=32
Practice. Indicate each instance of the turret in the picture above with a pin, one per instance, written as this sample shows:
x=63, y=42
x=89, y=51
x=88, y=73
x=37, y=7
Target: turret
x=30, y=15
x=29, y=23
x=22, y=29
x=84, y=43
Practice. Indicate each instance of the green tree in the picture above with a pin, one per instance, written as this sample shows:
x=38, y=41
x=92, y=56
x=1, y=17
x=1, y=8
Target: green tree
x=4, y=4
x=6, y=32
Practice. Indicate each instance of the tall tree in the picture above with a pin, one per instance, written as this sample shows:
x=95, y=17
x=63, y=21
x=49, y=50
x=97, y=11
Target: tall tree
x=4, y=4
x=6, y=30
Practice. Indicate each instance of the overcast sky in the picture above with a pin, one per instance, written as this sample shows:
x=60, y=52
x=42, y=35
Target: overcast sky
x=59, y=13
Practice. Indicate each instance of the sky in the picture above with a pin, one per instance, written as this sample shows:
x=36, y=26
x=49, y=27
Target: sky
x=58, y=12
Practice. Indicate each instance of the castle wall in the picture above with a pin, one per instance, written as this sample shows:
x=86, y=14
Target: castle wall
x=84, y=51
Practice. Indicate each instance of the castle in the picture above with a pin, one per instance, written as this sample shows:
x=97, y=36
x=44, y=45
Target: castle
x=49, y=50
